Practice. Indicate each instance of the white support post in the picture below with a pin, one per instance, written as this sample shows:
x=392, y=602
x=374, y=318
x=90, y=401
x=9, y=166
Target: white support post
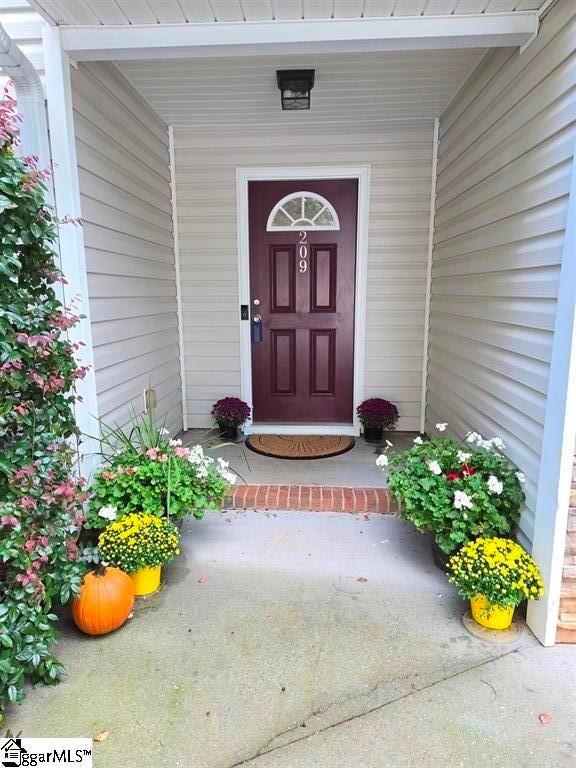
x=178, y=277
x=425, y=344
x=71, y=237
x=558, y=440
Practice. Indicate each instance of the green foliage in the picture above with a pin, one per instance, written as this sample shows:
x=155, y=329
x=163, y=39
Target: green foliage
x=498, y=569
x=445, y=487
x=40, y=497
x=139, y=541
x=148, y=472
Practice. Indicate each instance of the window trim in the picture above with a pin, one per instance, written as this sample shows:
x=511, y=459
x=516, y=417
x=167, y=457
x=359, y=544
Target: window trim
x=297, y=224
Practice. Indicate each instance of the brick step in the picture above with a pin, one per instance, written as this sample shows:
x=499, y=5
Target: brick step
x=311, y=498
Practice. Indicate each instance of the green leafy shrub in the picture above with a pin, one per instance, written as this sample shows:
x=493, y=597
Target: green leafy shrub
x=41, y=498
x=456, y=490
x=149, y=472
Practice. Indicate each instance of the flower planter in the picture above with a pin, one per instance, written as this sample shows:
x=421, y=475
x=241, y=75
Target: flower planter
x=228, y=432
x=146, y=580
x=497, y=617
x=440, y=557
x=373, y=434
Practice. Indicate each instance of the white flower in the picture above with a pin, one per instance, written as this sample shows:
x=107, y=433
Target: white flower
x=223, y=464
x=463, y=456
x=497, y=443
x=163, y=431
x=434, y=467
x=382, y=460
x=196, y=455
x=202, y=471
x=418, y=440
x=473, y=437
x=441, y=426
x=230, y=477
x=495, y=485
x=462, y=500
x=175, y=443
x=521, y=477
x=108, y=513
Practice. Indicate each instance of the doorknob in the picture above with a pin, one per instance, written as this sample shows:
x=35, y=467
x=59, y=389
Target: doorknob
x=256, y=318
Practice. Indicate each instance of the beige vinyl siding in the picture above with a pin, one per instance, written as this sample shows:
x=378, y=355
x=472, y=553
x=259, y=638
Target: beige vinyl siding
x=506, y=148
x=400, y=158
x=124, y=176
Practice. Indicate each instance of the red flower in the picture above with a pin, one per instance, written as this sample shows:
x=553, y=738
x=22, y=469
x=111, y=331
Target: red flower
x=453, y=476
x=467, y=470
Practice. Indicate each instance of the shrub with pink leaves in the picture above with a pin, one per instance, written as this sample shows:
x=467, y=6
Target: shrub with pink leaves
x=41, y=497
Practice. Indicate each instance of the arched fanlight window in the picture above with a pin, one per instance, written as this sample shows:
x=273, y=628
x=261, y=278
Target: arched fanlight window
x=303, y=211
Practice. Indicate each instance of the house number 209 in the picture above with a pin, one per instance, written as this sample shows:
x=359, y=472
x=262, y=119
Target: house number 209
x=303, y=252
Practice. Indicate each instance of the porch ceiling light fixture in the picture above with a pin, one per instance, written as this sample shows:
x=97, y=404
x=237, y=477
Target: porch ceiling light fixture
x=295, y=86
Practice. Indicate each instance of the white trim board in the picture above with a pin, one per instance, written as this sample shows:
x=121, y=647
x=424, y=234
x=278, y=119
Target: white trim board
x=557, y=453
x=270, y=173
x=249, y=38
x=70, y=237
x=176, y=235
x=301, y=429
x=424, y=395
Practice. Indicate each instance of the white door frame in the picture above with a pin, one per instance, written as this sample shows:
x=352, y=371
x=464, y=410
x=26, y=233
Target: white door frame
x=272, y=173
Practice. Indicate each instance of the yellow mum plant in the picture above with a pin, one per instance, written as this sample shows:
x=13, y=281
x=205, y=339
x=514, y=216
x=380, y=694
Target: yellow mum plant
x=139, y=540
x=498, y=569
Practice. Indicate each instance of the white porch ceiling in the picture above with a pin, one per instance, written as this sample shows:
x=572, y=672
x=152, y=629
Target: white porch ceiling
x=349, y=88
x=125, y=12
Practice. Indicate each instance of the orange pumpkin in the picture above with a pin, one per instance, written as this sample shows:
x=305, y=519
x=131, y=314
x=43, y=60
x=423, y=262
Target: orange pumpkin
x=106, y=600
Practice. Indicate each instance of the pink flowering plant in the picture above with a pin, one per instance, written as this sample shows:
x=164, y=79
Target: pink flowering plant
x=456, y=490
x=231, y=411
x=377, y=412
x=41, y=496
x=148, y=471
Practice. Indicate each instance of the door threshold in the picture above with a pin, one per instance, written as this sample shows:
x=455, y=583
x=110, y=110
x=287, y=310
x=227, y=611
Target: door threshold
x=301, y=429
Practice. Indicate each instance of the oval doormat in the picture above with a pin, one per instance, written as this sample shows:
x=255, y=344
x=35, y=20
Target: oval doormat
x=300, y=446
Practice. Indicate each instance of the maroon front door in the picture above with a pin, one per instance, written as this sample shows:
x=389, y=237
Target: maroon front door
x=302, y=285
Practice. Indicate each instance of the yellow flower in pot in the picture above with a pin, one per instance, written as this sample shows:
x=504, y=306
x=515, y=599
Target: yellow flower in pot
x=496, y=575
x=140, y=544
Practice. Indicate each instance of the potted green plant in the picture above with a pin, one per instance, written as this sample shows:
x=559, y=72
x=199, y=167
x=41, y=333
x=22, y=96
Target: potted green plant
x=230, y=413
x=140, y=544
x=147, y=471
x=377, y=416
x=496, y=575
x=455, y=490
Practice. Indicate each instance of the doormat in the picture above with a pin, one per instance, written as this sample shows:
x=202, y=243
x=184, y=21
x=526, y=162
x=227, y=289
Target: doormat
x=300, y=446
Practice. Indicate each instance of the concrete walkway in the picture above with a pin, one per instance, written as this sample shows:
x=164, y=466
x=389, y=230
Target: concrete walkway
x=301, y=640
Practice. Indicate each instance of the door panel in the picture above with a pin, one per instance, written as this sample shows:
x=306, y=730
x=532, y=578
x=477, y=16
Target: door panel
x=323, y=278
x=282, y=278
x=304, y=282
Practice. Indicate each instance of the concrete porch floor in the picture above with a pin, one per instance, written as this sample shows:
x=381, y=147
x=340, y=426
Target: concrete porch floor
x=357, y=467
x=314, y=641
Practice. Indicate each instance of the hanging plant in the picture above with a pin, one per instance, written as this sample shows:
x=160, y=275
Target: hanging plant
x=41, y=496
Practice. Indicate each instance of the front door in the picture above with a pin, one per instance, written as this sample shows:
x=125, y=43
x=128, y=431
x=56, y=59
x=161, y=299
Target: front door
x=302, y=286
